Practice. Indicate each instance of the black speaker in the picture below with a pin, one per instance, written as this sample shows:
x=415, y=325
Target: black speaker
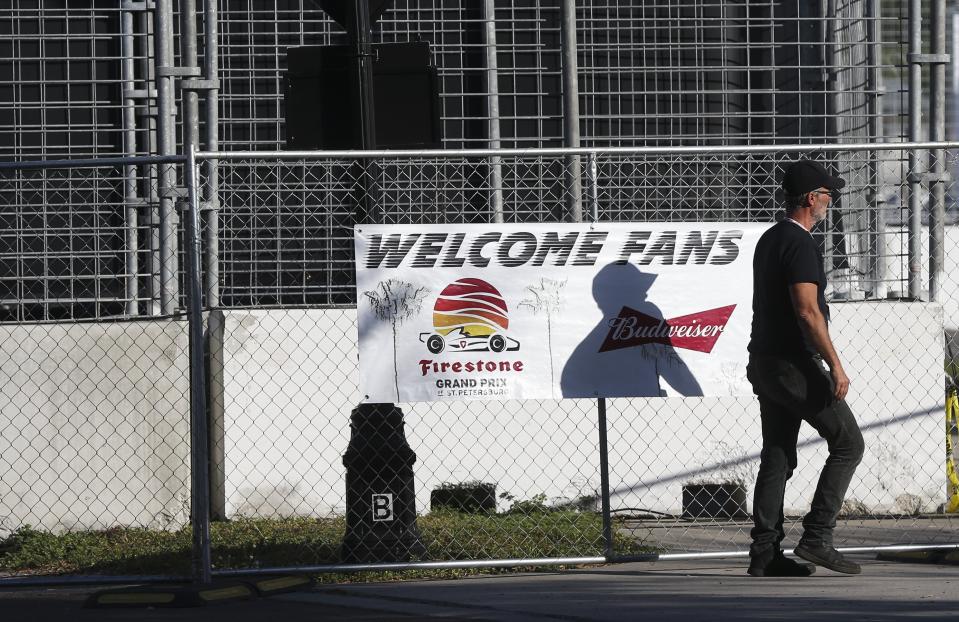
x=319, y=110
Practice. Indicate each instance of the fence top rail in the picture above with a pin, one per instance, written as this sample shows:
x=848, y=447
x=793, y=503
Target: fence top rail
x=478, y=153
x=90, y=162
x=580, y=151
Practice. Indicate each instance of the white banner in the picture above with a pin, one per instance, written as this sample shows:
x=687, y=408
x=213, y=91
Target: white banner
x=544, y=311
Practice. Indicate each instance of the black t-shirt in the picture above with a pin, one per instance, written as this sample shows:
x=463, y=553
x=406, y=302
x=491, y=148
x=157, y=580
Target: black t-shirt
x=786, y=254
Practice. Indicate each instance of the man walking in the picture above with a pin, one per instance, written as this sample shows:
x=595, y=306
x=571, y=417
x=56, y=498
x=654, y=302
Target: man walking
x=789, y=343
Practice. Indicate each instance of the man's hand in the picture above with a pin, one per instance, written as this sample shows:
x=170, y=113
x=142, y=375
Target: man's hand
x=840, y=381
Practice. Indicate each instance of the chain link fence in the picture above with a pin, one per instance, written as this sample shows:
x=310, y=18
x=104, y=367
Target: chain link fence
x=96, y=427
x=95, y=414
x=288, y=376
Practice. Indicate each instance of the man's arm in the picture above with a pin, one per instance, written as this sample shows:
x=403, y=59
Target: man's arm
x=813, y=325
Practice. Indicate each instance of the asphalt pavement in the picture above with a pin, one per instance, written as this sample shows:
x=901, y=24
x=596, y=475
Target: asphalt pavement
x=716, y=590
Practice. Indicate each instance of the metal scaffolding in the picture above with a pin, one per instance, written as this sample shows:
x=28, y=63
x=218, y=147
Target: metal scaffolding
x=154, y=77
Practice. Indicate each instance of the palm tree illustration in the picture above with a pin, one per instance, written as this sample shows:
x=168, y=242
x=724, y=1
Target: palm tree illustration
x=395, y=301
x=546, y=298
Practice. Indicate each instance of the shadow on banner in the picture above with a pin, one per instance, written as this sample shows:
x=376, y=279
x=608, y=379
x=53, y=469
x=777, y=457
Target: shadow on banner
x=597, y=369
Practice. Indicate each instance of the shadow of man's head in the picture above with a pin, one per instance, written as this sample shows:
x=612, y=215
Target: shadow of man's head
x=617, y=285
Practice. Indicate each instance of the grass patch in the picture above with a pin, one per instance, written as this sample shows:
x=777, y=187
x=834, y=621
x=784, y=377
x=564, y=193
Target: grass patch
x=251, y=543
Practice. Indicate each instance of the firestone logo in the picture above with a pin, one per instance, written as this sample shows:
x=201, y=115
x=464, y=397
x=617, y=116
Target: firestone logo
x=470, y=315
x=697, y=331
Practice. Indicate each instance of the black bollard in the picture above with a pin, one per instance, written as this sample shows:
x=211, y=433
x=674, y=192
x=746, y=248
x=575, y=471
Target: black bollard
x=380, y=499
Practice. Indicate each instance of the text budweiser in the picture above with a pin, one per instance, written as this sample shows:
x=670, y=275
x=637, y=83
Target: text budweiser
x=625, y=328
x=697, y=331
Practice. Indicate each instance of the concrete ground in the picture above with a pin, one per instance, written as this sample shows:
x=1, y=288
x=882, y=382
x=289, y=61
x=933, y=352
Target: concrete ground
x=716, y=590
x=679, y=536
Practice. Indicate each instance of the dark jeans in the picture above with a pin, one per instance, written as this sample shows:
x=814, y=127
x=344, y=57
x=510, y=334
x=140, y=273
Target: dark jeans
x=792, y=390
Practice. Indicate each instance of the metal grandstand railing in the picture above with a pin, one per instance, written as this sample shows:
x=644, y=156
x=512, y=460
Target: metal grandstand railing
x=109, y=79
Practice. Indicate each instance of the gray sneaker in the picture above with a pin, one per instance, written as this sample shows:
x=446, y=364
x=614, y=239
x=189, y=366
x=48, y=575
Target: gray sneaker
x=827, y=557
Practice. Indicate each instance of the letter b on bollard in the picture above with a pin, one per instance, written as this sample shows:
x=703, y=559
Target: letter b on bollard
x=382, y=507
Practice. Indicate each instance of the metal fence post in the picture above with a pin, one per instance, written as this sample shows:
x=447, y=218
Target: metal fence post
x=151, y=194
x=604, y=480
x=166, y=111
x=877, y=216
x=574, y=188
x=130, y=193
x=199, y=433
x=593, y=186
x=601, y=402
x=937, y=133
x=915, y=129
x=211, y=186
x=492, y=108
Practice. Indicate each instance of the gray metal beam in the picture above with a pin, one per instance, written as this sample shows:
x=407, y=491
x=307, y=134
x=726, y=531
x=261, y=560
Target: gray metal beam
x=574, y=185
x=210, y=180
x=492, y=108
x=166, y=178
x=937, y=132
x=130, y=191
x=877, y=217
x=199, y=424
x=915, y=160
x=583, y=151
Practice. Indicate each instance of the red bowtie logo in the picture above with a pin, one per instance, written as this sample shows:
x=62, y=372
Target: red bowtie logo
x=698, y=331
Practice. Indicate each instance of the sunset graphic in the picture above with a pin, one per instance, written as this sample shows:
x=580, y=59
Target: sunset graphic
x=471, y=306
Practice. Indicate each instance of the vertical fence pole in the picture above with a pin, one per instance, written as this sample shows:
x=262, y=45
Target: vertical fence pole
x=937, y=133
x=574, y=188
x=832, y=225
x=362, y=94
x=492, y=108
x=166, y=111
x=604, y=479
x=151, y=172
x=211, y=184
x=199, y=433
x=915, y=131
x=188, y=60
x=593, y=186
x=362, y=68
x=877, y=216
x=199, y=423
x=601, y=402
x=130, y=191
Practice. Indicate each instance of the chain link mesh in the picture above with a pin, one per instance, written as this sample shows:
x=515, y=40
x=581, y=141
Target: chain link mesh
x=95, y=421
x=95, y=413
x=289, y=375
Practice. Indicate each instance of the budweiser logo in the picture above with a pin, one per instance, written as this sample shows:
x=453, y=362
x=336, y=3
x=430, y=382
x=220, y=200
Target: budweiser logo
x=698, y=331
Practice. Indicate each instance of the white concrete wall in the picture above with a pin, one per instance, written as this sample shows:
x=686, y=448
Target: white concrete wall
x=893, y=354
x=897, y=248
x=290, y=383
x=94, y=425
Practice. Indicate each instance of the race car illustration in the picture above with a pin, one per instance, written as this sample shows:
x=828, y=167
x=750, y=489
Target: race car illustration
x=470, y=315
x=462, y=341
